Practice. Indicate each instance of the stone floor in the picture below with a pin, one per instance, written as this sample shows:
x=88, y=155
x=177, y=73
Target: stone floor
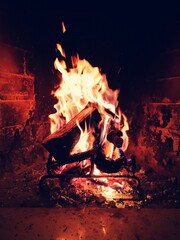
x=89, y=224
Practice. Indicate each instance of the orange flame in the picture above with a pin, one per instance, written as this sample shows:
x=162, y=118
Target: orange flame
x=59, y=47
x=80, y=85
x=63, y=27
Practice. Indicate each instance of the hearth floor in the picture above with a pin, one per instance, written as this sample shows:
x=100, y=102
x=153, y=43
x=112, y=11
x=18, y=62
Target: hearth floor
x=26, y=213
x=20, y=187
x=89, y=224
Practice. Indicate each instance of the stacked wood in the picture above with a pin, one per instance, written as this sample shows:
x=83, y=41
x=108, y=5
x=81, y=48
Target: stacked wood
x=61, y=143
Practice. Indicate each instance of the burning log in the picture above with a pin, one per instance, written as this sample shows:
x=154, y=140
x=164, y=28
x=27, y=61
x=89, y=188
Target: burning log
x=109, y=165
x=114, y=166
x=60, y=143
x=115, y=137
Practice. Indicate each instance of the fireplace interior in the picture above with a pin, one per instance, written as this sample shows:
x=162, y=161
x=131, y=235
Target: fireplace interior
x=138, y=51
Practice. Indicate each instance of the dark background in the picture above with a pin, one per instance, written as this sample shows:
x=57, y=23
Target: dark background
x=123, y=39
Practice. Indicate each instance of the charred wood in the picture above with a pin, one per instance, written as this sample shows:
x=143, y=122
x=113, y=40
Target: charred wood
x=109, y=165
x=75, y=158
x=115, y=137
x=60, y=143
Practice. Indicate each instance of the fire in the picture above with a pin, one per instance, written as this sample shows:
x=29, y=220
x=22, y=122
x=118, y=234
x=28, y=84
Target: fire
x=80, y=85
x=88, y=135
x=63, y=27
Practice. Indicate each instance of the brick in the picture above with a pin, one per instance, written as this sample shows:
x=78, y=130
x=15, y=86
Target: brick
x=12, y=59
x=166, y=90
x=7, y=137
x=15, y=112
x=166, y=114
x=164, y=119
x=20, y=136
x=16, y=88
x=154, y=135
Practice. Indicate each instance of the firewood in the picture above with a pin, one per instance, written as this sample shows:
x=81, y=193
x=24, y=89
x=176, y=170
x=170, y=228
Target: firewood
x=115, y=137
x=60, y=143
x=109, y=165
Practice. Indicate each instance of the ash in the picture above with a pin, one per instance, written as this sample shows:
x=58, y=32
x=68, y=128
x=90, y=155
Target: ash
x=21, y=189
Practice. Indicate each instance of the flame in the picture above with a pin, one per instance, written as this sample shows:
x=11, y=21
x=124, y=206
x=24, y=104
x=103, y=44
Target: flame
x=63, y=27
x=59, y=47
x=82, y=84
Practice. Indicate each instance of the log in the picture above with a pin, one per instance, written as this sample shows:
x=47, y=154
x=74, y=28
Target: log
x=114, y=166
x=115, y=137
x=60, y=143
x=98, y=158
x=75, y=158
x=109, y=165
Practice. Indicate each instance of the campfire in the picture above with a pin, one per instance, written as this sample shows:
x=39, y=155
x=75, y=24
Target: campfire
x=88, y=136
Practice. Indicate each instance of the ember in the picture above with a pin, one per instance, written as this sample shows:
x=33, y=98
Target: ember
x=88, y=132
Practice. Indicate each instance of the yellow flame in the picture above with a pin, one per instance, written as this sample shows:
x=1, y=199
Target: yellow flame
x=80, y=85
x=59, y=47
x=124, y=130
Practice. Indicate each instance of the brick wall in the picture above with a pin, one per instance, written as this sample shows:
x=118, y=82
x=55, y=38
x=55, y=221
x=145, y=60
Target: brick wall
x=16, y=92
x=21, y=134
x=155, y=123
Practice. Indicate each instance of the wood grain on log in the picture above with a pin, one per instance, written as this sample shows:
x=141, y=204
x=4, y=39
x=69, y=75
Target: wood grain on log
x=60, y=143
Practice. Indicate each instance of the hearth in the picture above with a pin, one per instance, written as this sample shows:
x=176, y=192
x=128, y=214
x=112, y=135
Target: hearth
x=89, y=120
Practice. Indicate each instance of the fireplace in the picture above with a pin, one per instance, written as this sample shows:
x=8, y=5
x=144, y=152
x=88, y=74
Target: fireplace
x=122, y=181
x=147, y=77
